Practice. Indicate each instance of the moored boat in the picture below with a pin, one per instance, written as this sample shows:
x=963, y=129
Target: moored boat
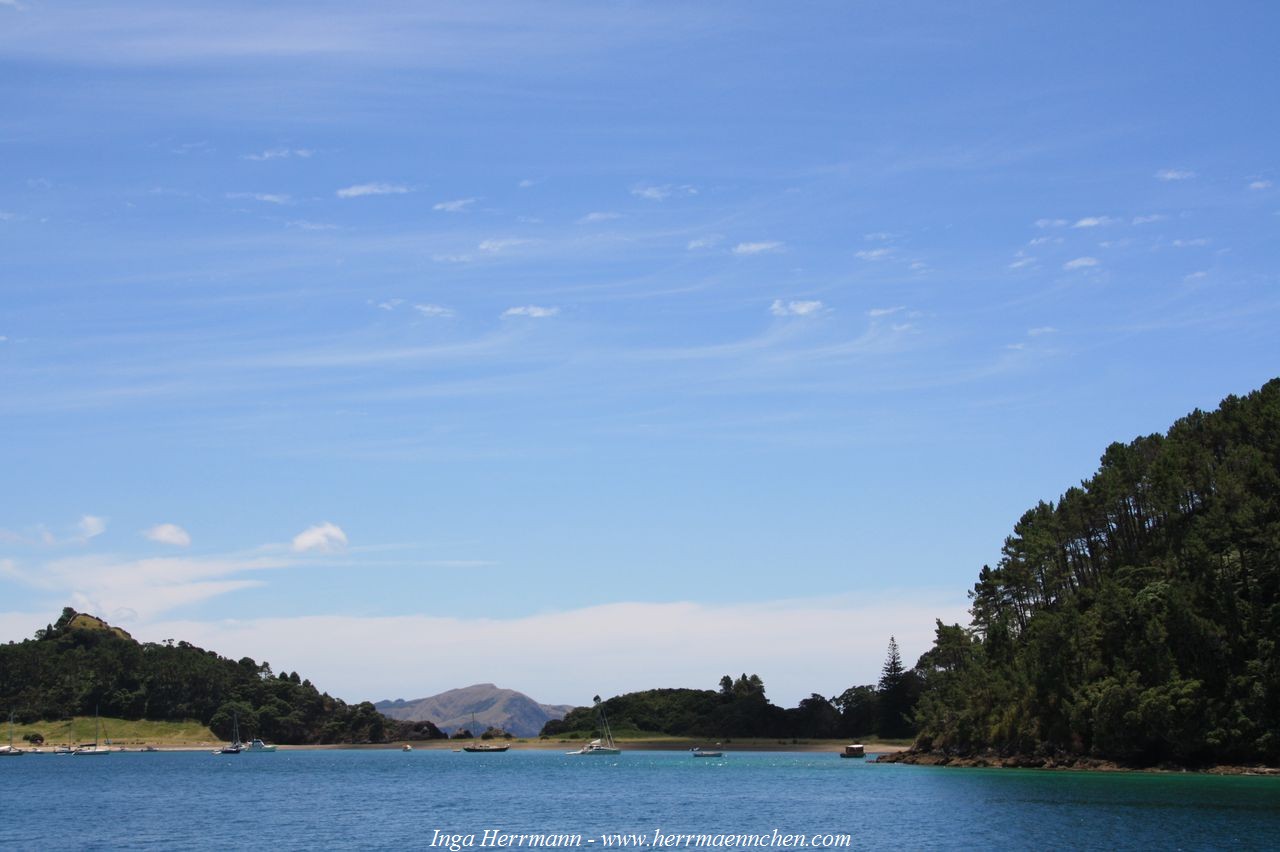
x=605, y=745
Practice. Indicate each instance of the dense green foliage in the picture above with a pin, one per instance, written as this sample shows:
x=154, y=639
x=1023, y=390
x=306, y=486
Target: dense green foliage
x=80, y=666
x=740, y=709
x=1136, y=619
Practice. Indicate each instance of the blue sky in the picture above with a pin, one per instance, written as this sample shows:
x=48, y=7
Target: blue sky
x=588, y=347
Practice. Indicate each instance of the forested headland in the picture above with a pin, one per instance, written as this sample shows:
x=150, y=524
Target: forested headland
x=80, y=665
x=739, y=708
x=1135, y=620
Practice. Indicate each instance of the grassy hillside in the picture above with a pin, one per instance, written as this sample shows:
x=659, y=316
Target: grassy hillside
x=120, y=732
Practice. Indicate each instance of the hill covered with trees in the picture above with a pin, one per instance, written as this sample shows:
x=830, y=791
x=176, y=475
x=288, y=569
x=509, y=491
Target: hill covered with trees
x=1135, y=619
x=81, y=665
x=739, y=708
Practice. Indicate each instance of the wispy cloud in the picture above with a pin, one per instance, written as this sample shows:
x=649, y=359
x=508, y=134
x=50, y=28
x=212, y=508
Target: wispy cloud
x=91, y=526
x=662, y=193
x=879, y=236
x=876, y=313
x=265, y=197
x=873, y=254
x=169, y=534
x=1149, y=218
x=428, y=310
x=457, y=205
x=1191, y=243
x=363, y=189
x=1260, y=184
x=501, y=244
x=600, y=216
x=762, y=247
x=780, y=308
x=1040, y=330
x=1095, y=222
x=1080, y=263
x=304, y=225
x=534, y=311
x=1051, y=223
x=1175, y=174
x=279, y=154
x=526, y=183
x=325, y=538
x=1021, y=261
x=390, y=304
x=703, y=242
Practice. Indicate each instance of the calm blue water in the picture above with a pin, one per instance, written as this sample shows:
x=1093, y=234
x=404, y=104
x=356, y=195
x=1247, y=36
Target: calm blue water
x=386, y=799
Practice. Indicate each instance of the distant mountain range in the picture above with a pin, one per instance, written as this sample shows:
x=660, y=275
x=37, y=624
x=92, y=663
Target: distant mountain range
x=477, y=707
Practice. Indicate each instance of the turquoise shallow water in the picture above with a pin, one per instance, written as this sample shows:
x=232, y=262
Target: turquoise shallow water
x=392, y=799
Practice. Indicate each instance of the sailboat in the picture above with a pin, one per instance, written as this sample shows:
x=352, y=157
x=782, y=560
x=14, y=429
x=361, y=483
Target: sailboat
x=93, y=750
x=9, y=750
x=481, y=748
x=604, y=745
x=236, y=746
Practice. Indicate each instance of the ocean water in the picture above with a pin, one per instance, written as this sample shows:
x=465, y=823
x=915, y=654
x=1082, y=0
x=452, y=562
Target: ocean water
x=385, y=799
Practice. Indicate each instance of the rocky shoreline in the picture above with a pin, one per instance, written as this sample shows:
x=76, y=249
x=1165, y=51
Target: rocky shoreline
x=1062, y=761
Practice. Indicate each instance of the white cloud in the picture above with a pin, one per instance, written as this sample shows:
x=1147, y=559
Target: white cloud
x=1094, y=222
x=879, y=236
x=324, y=537
x=1148, y=219
x=873, y=254
x=1260, y=184
x=1022, y=262
x=1193, y=243
x=762, y=247
x=534, y=311
x=1044, y=329
x=884, y=312
x=1015, y=346
x=780, y=308
x=1080, y=263
x=697, y=644
x=13, y=4
x=363, y=189
x=1040, y=241
x=1052, y=223
x=303, y=225
x=526, y=183
x=433, y=310
x=169, y=534
x=1175, y=174
x=452, y=258
x=390, y=304
x=91, y=526
x=602, y=216
x=1195, y=276
x=494, y=246
x=266, y=197
x=279, y=154
x=457, y=205
x=662, y=193
x=703, y=242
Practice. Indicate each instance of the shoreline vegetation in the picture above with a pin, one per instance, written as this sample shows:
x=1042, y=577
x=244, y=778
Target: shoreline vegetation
x=1133, y=624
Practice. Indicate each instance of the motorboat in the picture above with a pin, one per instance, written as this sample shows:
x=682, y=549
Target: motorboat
x=257, y=746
